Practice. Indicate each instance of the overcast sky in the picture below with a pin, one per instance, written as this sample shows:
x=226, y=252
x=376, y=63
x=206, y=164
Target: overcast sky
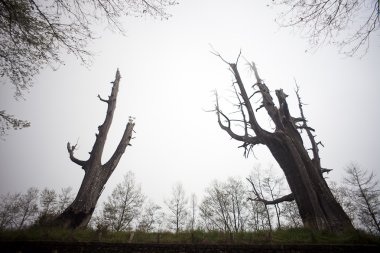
x=168, y=75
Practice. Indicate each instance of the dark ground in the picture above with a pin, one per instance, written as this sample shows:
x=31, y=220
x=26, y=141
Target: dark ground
x=98, y=247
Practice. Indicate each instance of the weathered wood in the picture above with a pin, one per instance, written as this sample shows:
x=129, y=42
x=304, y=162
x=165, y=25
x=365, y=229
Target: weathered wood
x=317, y=206
x=79, y=213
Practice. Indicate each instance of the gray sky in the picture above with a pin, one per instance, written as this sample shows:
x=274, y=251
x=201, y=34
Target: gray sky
x=168, y=75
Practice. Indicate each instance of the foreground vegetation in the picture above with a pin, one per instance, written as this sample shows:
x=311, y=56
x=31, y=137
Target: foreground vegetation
x=282, y=236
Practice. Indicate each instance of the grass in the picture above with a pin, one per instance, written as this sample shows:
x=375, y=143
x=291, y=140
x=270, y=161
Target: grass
x=283, y=236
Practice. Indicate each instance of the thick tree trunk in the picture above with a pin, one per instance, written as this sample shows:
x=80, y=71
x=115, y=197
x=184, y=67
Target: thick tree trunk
x=79, y=213
x=317, y=206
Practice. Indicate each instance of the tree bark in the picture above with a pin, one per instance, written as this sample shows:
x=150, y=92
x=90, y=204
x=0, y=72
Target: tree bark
x=317, y=206
x=78, y=214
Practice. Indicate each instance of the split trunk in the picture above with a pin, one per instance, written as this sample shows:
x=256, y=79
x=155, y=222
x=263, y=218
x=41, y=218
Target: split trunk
x=317, y=206
x=79, y=213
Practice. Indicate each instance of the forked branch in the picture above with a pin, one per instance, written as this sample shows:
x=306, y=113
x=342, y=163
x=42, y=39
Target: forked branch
x=247, y=139
x=251, y=118
x=267, y=103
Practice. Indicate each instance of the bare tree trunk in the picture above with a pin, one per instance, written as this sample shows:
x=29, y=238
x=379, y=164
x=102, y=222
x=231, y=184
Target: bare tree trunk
x=78, y=214
x=317, y=206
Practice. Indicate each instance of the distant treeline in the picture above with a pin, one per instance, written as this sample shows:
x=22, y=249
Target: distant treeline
x=230, y=207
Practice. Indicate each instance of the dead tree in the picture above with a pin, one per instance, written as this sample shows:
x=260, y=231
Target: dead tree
x=317, y=206
x=96, y=174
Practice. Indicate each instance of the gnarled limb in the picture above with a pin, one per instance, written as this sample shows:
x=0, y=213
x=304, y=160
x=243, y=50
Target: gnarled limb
x=249, y=141
x=228, y=127
x=247, y=104
x=71, y=149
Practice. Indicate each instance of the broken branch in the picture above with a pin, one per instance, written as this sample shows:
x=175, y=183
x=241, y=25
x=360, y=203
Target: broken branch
x=71, y=149
x=103, y=100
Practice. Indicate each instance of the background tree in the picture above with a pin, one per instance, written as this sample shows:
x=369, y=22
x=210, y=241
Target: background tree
x=267, y=186
x=27, y=208
x=257, y=216
x=271, y=185
x=9, y=208
x=303, y=171
x=48, y=202
x=177, y=205
x=257, y=183
x=96, y=174
x=346, y=199
x=17, y=211
x=224, y=207
x=149, y=220
x=349, y=24
x=34, y=33
x=291, y=215
x=65, y=197
x=124, y=205
x=193, y=212
x=366, y=194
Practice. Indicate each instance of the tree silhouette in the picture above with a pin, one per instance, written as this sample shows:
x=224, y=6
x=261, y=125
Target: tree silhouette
x=96, y=174
x=317, y=206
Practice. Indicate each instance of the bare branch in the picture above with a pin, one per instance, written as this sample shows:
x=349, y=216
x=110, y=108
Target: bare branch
x=216, y=53
x=296, y=120
x=268, y=103
x=316, y=159
x=289, y=197
x=256, y=92
x=103, y=100
x=251, y=114
x=237, y=59
x=320, y=143
x=104, y=128
x=71, y=149
x=124, y=142
x=258, y=108
x=242, y=111
x=306, y=127
x=228, y=127
x=324, y=170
